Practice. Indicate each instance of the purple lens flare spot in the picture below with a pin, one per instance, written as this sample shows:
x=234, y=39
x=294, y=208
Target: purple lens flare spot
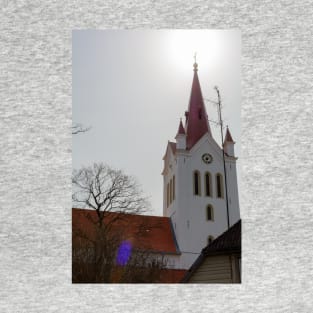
x=123, y=253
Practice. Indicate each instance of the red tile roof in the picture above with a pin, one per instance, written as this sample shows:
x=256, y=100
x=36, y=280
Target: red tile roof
x=151, y=233
x=196, y=117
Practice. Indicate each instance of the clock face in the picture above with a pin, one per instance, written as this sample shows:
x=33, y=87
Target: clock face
x=207, y=158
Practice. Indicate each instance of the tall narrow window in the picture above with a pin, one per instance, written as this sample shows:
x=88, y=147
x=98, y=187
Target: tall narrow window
x=208, y=184
x=174, y=187
x=171, y=188
x=219, y=186
x=168, y=194
x=209, y=213
x=196, y=183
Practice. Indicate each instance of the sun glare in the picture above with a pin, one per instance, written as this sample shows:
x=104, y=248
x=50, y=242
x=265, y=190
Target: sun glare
x=183, y=45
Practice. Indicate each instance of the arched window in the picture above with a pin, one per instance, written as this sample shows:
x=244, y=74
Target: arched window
x=209, y=213
x=210, y=239
x=168, y=194
x=208, y=184
x=196, y=183
x=219, y=186
x=174, y=187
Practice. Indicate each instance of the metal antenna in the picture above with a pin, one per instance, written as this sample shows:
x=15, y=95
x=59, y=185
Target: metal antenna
x=215, y=103
x=219, y=111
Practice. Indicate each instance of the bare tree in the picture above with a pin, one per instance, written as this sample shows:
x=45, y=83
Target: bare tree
x=93, y=257
x=100, y=263
x=107, y=190
x=113, y=195
x=143, y=267
x=79, y=128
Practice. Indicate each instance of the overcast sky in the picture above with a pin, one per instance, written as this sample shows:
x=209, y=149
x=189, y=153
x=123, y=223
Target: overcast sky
x=132, y=87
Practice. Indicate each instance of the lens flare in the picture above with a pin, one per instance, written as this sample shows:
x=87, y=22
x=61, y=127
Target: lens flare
x=123, y=253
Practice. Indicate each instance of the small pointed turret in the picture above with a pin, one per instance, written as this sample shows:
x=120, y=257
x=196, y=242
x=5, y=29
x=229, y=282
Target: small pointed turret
x=228, y=137
x=229, y=143
x=181, y=136
x=181, y=129
x=196, y=117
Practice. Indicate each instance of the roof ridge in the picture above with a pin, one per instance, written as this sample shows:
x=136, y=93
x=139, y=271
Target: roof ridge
x=93, y=210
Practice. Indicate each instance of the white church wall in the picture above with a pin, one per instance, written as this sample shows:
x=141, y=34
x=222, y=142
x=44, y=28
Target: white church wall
x=188, y=212
x=233, y=197
x=196, y=235
x=169, y=173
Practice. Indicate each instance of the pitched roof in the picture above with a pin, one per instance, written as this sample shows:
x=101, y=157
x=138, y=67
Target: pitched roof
x=150, y=233
x=196, y=117
x=229, y=241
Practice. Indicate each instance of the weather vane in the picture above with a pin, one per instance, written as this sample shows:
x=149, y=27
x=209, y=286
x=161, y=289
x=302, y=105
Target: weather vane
x=195, y=57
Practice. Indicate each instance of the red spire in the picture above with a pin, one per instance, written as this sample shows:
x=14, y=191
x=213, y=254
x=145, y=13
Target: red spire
x=228, y=137
x=196, y=117
x=181, y=129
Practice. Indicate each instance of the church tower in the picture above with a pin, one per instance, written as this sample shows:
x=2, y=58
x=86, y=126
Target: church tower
x=194, y=194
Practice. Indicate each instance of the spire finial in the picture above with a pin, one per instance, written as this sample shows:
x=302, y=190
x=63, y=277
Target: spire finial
x=195, y=65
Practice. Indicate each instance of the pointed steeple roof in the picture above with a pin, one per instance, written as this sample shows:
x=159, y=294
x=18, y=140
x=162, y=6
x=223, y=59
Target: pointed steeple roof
x=228, y=137
x=196, y=117
x=181, y=129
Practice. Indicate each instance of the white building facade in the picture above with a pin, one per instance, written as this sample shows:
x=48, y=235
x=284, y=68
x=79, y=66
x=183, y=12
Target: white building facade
x=194, y=192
